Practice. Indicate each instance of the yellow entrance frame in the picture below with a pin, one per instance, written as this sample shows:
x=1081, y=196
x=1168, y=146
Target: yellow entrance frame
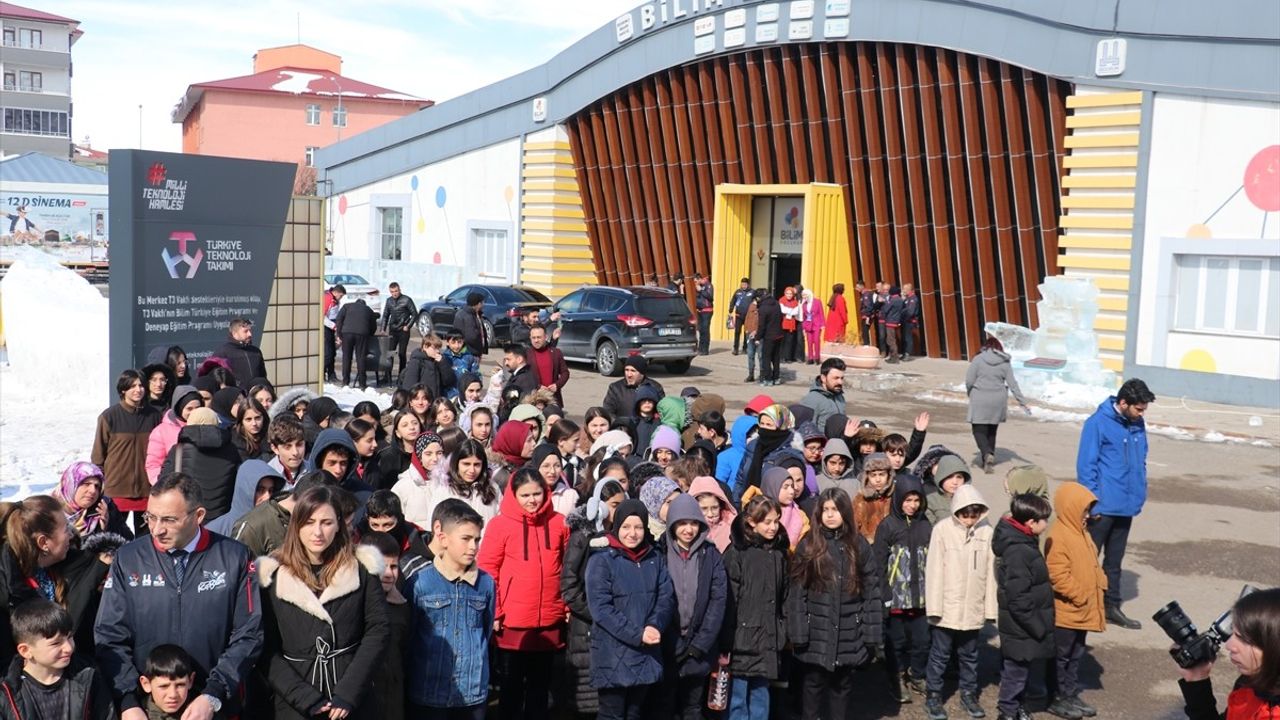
x=825, y=260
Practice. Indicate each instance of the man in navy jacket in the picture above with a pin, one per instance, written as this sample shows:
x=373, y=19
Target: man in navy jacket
x=1112, y=464
x=181, y=585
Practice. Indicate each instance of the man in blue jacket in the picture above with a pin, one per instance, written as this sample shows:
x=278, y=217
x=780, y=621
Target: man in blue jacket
x=1112, y=464
x=181, y=585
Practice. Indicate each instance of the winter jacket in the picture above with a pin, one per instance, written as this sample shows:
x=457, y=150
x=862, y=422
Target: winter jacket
x=559, y=375
x=88, y=696
x=215, y=615
x=754, y=630
x=704, y=298
x=521, y=381
x=620, y=398
x=939, y=502
x=328, y=647
x=81, y=572
x=524, y=552
x=584, y=540
x=249, y=474
x=902, y=549
x=468, y=323
x=356, y=318
x=205, y=453
x=1244, y=702
x=1078, y=580
x=893, y=311
x=1024, y=594
x=288, y=399
x=911, y=309
x=828, y=627
x=1112, y=461
x=692, y=649
x=848, y=481
x=720, y=534
x=397, y=312
x=437, y=376
x=120, y=449
x=625, y=596
x=871, y=508
x=392, y=463
x=823, y=402
x=960, y=578
x=262, y=529
x=741, y=301
x=770, y=321
x=448, y=664
x=419, y=498
x=245, y=360
x=161, y=440
x=728, y=461
x=988, y=382
x=332, y=437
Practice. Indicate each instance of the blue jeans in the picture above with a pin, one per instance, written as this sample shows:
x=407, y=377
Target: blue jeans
x=749, y=699
x=752, y=347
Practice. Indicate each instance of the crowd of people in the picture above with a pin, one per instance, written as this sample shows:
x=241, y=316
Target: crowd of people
x=476, y=545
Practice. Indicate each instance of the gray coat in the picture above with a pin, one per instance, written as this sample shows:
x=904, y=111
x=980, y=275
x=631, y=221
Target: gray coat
x=989, y=382
x=824, y=403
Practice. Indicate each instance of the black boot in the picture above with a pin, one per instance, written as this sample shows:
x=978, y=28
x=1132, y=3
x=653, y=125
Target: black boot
x=751, y=377
x=1116, y=616
x=1061, y=707
x=934, y=708
x=970, y=703
x=1085, y=708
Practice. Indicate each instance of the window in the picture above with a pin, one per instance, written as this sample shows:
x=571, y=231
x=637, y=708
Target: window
x=313, y=114
x=1236, y=295
x=391, y=222
x=22, y=121
x=10, y=81
x=339, y=116
x=30, y=81
x=311, y=156
x=459, y=296
x=28, y=38
x=490, y=253
x=10, y=36
x=572, y=302
x=598, y=302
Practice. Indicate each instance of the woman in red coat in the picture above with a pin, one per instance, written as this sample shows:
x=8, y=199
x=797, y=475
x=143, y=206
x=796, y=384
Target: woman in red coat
x=837, y=314
x=523, y=549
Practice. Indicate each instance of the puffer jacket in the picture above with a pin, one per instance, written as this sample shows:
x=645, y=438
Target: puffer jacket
x=1112, y=461
x=162, y=438
x=524, y=552
x=829, y=627
x=1078, y=580
x=690, y=650
x=728, y=461
x=584, y=539
x=960, y=579
x=754, y=630
x=206, y=454
x=902, y=548
x=1024, y=594
x=625, y=597
x=88, y=695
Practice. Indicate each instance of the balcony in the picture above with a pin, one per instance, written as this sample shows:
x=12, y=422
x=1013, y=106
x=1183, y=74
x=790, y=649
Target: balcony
x=23, y=87
x=33, y=45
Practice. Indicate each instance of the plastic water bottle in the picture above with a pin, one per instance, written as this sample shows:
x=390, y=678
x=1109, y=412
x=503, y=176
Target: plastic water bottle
x=718, y=690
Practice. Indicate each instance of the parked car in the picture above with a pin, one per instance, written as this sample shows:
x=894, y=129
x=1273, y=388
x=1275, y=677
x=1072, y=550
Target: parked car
x=357, y=289
x=503, y=304
x=604, y=325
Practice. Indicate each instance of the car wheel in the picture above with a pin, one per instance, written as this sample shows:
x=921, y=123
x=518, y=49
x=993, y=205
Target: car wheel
x=607, y=359
x=424, y=323
x=679, y=367
x=489, y=333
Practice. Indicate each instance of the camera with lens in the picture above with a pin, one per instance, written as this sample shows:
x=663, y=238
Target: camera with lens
x=1192, y=646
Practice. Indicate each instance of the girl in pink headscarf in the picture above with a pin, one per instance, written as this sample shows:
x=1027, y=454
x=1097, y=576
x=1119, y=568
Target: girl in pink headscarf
x=88, y=511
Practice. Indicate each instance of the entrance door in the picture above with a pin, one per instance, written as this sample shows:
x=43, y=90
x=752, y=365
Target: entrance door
x=784, y=270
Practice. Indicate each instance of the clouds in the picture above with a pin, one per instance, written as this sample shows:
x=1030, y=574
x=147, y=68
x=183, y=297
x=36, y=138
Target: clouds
x=143, y=52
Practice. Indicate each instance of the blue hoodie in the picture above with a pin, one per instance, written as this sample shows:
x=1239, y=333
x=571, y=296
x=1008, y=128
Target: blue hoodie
x=248, y=476
x=1112, y=461
x=328, y=438
x=728, y=460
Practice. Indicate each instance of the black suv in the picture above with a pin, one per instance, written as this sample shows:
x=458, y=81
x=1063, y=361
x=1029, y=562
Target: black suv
x=605, y=325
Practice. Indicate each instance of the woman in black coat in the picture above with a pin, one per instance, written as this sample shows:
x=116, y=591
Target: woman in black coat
x=834, y=614
x=324, y=615
x=1025, y=596
x=205, y=452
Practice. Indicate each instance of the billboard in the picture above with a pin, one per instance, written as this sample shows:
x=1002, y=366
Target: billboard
x=28, y=217
x=195, y=244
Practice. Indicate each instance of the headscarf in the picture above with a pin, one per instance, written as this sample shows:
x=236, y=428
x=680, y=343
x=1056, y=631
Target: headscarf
x=541, y=452
x=202, y=416
x=509, y=442
x=781, y=416
x=655, y=492
x=625, y=510
x=612, y=440
x=792, y=516
x=83, y=520
x=767, y=441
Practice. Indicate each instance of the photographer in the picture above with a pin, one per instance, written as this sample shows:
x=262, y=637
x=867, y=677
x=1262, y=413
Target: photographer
x=1254, y=648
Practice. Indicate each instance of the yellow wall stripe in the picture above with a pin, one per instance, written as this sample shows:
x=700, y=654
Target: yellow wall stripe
x=531, y=147
x=1096, y=222
x=1080, y=241
x=1102, y=140
x=1111, y=119
x=1099, y=181
x=1094, y=262
x=1101, y=202
x=1101, y=160
x=1105, y=99
x=556, y=254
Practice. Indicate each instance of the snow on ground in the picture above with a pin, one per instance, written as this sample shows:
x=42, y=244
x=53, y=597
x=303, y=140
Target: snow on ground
x=51, y=387
x=347, y=397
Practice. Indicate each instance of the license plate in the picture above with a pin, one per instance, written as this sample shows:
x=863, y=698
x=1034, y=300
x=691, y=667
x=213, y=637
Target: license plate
x=669, y=331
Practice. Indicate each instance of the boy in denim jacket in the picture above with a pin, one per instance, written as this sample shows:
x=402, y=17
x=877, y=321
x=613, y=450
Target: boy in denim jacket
x=453, y=607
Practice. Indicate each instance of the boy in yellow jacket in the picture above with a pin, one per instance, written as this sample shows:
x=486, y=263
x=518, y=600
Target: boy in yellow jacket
x=1078, y=587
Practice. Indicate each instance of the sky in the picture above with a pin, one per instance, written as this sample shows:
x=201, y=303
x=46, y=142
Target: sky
x=146, y=52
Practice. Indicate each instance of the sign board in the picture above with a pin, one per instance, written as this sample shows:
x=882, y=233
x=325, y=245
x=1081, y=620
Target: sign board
x=53, y=217
x=1109, y=58
x=539, y=109
x=197, y=239
x=788, y=226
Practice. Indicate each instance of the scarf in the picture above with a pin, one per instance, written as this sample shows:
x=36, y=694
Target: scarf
x=84, y=521
x=635, y=554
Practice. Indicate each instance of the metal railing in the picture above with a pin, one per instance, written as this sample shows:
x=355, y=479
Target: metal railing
x=31, y=45
x=24, y=87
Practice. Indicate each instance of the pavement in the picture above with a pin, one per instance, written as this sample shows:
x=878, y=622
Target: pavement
x=1210, y=525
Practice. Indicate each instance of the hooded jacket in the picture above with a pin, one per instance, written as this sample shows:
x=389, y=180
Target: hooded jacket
x=1033, y=480
x=664, y=438
x=823, y=402
x=988, y=382
x=620, y=398
x=902, y=548
x=700, y=585
x=673, y=413
x=165, y=435
x=794, y=520
x=869, y=506
x=524, y=552
x=326, y=647
x=1112, y=461
x=960, y=579
x=437, y=376
x=1078, y=580
x=289, y=399
x=88, y=696
x=585, y=538
x=244, y=359
x=700, y=406
x=728, y=461
x=721, y=534
x=317, y=412
x=205, y=453
x=940, y=502
x=644, y=428
x=249, y=474
x=755, y=631
x=846, y=481
x=770, y=318
x=1023, y=593
x=828, y=626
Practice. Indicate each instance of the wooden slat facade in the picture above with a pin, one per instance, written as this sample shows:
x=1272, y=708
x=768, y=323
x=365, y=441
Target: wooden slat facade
x=951, y=166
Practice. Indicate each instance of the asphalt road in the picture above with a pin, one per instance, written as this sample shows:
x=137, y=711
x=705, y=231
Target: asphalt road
x=1211, y=524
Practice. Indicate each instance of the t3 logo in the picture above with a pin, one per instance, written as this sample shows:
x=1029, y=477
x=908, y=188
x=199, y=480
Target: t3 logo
x=172, y=261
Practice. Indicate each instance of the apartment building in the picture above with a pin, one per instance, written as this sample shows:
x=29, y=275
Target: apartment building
x=35, y=60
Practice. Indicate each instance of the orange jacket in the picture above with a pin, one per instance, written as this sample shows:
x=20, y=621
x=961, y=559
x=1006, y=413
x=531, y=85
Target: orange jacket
x=1078, y=580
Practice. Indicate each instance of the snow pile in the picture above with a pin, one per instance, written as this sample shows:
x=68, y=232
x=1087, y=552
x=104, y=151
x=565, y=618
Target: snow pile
x=347, y=397
x=51, y=390
x=295, y=81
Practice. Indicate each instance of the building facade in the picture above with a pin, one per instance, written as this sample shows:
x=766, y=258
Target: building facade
x=35, y=99
x=970, y=149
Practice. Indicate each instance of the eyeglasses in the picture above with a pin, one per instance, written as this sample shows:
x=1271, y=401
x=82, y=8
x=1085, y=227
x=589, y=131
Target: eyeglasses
x=165, y=521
